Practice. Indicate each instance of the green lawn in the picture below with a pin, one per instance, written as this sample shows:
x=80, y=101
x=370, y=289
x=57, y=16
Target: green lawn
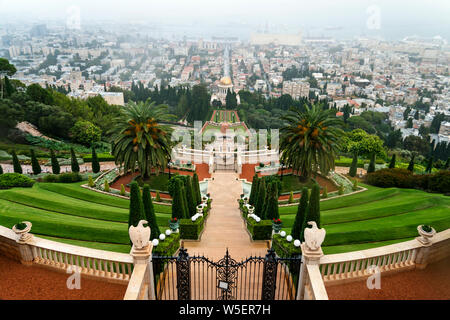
x=376, y=217
x=71, y=214
x=156, y=182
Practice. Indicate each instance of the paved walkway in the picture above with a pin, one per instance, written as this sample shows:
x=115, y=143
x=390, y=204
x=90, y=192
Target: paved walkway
x=225, y=227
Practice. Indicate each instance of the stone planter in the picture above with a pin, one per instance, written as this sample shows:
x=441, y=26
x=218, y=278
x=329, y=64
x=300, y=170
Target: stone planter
x=276, y=227
x=174, y=226
x=24, y=235
x=251, y=209
x=425, y=237
x=245, y=200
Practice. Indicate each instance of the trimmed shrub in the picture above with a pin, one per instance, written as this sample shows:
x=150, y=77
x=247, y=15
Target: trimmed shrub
x=73, y=161
x=341, y=190
x=15, y=180
x=392, y=163
x=285, y=249
x=196, y=190
x=354, y=166
x=95, y=163
x=1, y=169
x=122, y=190
x=158, y=196
x=35, y=163
x=191, y=230
x=261, y=198
x=191, y=203
x=178, y=209
x=260, y=230
x=291, y=197
x=254, y=190
x=429, y=165
x=107, y=189
x=391, y=178
x=272, y=203
x=149, y=211
x=90, y=182
x=136, y=206
x=439, y=182
x=325, y=192
x=371, y=167
x=411, y=164
x=56, y=169
x=69, y=177
x=168, y=247
x=355, y=185
x=50, y=178
x=16, y=163
x=300, y=217
x=313, y=212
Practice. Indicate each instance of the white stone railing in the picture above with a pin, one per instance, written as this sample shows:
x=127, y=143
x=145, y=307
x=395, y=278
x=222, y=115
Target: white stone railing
x=90, y=262
x=351, y=266
x=314, y=286
x=111, y=266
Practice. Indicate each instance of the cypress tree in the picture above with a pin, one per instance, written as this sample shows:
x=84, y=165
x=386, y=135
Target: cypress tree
x=191, y=206
x=313, y=212
x=371, y=164
x=56, y=169
x=325, y=192
x=122, y=190
x=149, y=211
x=35, y=163
x=392, y=163
x=354, y=166
x=447, y=164
x=253, y=191
x=16, y=163
x=261, y=196
x=264, y=214
x=136, y=205
x=158, y=196
x=178, y=209
x=291, y=197
x=90, y=182
x=300, y=217
x=196, y=188
x=74, y=161
x=272, y=205
x=411, y=164
x=95, y=163
x=429, y=165
x=1, y=169
x=107, y=189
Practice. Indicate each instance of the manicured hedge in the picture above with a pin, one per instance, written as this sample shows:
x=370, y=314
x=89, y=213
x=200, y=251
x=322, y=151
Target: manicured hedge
x=70, y=177
x=191, y=230
x=15, y=180
x=259, y=230
x=283, y=248
x=169, y=246
x=402, y=178
x=102, y=157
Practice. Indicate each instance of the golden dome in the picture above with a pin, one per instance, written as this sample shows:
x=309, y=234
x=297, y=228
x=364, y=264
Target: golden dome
x=225, y=81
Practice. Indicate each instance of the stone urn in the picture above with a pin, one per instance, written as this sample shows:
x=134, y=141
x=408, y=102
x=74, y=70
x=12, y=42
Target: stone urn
x=251, y=209
x=425, y=237
x=24, y=234
x=276, y=226
x=174, y=225
x=204, y=199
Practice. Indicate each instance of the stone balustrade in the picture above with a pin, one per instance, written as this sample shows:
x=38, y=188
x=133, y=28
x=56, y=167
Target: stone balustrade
x=109, y=266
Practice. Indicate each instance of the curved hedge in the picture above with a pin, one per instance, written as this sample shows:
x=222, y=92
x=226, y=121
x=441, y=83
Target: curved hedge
x=15, y=180
x=402, y=178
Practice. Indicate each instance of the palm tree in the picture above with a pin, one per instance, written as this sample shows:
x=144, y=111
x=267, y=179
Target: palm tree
x=310, y=141
x=139, y=138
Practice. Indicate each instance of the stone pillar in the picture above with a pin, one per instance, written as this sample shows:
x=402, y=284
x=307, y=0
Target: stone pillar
x=311, y=254
x=25, y=243
x=426, y=240
x=143, y=256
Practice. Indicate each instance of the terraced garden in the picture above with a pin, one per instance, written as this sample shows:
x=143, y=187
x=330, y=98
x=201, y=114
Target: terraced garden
x=376, y=217
x=71, y=214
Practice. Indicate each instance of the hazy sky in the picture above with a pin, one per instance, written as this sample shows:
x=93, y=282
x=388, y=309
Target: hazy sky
x=401, y=17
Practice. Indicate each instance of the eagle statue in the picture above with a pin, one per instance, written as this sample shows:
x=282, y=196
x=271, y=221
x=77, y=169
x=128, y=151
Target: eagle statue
x=314, y=236
x=140, y=235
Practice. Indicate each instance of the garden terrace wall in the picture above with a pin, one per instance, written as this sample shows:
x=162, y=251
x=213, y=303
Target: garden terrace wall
x=8, y=245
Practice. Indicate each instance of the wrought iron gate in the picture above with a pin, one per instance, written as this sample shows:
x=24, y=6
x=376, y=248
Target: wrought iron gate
x=197, y=278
